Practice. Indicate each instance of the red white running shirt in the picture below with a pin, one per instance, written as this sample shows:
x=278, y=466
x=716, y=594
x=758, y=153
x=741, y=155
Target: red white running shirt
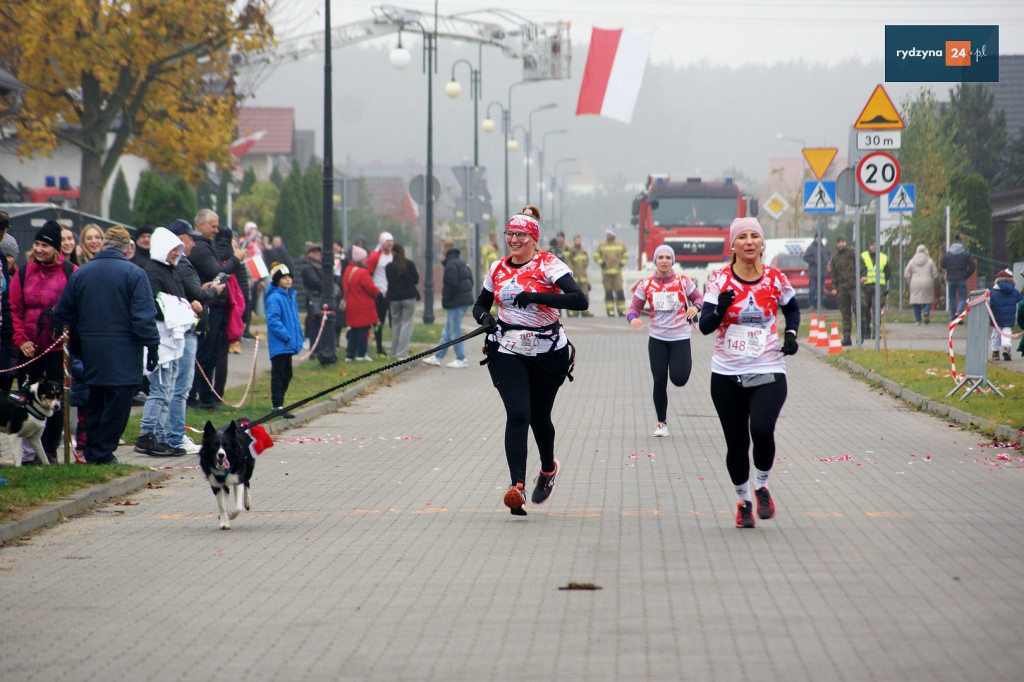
x=668, y=298
x=747, y=340
x=537, y=276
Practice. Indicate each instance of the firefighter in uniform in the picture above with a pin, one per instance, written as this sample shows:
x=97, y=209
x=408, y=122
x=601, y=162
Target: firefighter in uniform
x=869, y=286
x=489, y=252
x=611, y=256
x=578, y=260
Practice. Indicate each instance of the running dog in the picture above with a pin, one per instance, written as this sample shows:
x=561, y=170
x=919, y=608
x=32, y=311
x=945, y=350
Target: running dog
x=23, y=414
x=228, y=464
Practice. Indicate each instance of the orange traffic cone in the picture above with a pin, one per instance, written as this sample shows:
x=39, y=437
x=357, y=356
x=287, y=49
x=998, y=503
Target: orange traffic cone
x=822, y=340
x=812, y=334
x=834, y=344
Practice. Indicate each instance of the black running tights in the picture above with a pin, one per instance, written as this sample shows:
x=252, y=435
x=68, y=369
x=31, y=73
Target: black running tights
x=669, y=360
x=748, y=414
x=528, y=388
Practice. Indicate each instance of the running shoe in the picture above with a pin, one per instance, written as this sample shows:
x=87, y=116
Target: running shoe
x=432, y=360
x=744, y=514
x=457, y=364
x=765, y=506
x=545, y=482
x=191, y=447
x=661, y=430
x=515, y=498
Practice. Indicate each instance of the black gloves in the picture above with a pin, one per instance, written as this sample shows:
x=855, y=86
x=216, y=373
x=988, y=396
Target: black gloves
x=725, y=300
x=488, y=322
x=152, y=358
x=524, y=298
x=789, y=344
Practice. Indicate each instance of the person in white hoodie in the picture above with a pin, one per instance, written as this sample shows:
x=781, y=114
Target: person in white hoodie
x=921, y=274
x=174, y=316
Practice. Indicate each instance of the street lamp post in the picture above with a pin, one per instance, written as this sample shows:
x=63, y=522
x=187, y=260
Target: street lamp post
x=513, y=145
x=529, y=141
x=540, y=165
x=555, y=182
x=327, y=353
x=488, y=126
x=399, y=59
x=453, y=89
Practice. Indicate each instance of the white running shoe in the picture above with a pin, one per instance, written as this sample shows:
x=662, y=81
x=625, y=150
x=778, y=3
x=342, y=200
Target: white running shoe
x=432, y=360
x=661, y=430
x=364, y=358
x=457, y=364
x=190, y=446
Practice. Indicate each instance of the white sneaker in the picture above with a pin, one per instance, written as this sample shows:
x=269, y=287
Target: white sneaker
x=190, y=446
x=457, y=364
x=364, y=358
x=432, y=360
x=661, y=430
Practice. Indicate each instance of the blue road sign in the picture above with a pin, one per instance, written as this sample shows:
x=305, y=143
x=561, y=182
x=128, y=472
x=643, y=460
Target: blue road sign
x=819, y=196
x=901, y=199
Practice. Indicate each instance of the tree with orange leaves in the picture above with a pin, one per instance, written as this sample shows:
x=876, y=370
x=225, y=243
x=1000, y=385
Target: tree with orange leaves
x=146, y=77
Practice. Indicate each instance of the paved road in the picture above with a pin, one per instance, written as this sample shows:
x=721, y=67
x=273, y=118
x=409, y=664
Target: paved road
x=379, y=549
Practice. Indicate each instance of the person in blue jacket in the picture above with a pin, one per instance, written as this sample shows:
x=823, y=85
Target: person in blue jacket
x=1003, y=301
x=284, y=333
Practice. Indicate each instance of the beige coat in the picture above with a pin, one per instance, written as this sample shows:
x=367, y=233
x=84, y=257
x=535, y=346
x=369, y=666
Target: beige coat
x=922, y=274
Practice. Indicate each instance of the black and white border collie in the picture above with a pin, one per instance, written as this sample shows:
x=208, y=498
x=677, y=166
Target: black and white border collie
x=228, y=465
x=23, y=414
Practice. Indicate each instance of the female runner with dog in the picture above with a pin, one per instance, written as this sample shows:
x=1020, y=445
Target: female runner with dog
x=674, y=301
x=748, y=370
x=528, y=353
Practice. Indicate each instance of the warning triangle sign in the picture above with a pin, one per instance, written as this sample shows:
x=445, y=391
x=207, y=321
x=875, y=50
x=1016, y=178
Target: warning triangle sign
x=819, y=159
x=879, y=113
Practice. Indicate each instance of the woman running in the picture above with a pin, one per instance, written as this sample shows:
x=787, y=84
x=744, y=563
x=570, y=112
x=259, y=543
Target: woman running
x=748, y=371
x=674, y=302
x=528, y=353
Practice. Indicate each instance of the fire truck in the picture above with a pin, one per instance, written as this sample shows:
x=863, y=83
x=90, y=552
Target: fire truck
x=692, y=216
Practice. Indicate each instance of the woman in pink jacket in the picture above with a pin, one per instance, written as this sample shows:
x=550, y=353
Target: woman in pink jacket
x=34, y=294
x=361, y=307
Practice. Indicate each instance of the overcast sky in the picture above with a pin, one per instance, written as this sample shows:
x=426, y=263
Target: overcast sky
x=731, y=32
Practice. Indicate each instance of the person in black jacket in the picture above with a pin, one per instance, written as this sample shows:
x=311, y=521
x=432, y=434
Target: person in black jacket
x=402, y=296
x=8, y=352
x=456, y=297
x=208, y=266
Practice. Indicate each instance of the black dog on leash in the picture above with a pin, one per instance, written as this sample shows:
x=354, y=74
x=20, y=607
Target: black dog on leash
x=23, y=414
x=228, y=464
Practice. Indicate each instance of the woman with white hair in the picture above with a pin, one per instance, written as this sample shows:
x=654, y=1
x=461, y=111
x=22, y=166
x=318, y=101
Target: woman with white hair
x=921, y=274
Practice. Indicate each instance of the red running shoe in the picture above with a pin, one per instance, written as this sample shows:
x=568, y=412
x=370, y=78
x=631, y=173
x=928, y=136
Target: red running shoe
x=765, y=506
x=744, y=514
x=515, y=498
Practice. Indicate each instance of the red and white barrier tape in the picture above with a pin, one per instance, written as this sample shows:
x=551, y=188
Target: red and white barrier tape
x=984, y=298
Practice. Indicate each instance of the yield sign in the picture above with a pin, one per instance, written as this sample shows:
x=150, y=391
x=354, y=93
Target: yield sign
x=879, y=113
x=819, y=159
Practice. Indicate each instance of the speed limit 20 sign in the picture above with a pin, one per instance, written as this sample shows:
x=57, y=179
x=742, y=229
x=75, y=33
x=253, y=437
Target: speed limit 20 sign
x=878, y=173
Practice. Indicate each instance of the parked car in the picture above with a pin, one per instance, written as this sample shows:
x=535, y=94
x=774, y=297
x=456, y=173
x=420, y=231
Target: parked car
x=788, y=255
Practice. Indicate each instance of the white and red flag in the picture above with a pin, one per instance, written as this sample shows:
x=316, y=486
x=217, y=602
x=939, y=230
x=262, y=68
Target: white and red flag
x=257, y=268
x=615, y=69
x=240, y=146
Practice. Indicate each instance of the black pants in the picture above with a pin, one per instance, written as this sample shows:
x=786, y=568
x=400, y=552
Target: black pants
x=383, y=311
x=280, y=377
x=669, y=360
x=49, y=367
x=105, y=418
x=528, y=386
x=208, y=355
x=748, y=414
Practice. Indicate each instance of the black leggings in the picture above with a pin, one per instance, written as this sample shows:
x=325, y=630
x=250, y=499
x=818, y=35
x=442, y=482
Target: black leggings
x=527, y=386
x=748, y=414
x=669, y=360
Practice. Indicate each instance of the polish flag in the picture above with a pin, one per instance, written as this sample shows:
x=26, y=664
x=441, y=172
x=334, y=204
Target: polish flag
x=257, y=268
x=240, y=146
x=614, y=71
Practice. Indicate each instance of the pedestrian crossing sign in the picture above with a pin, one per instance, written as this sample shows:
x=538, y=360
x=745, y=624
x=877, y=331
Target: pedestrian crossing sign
x=901, y=199
x=820, y=196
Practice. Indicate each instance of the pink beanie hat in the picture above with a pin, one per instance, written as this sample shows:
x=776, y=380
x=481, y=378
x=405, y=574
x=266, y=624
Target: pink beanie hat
x=741, y=225
x=358, y=254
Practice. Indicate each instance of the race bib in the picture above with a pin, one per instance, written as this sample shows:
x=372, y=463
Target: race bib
x=520, y=341
x=665, y=301
x=746, y=341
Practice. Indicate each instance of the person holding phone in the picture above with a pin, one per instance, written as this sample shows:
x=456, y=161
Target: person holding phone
x=748, y=368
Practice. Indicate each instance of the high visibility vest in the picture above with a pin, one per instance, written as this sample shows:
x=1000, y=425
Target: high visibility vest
x=869, y=267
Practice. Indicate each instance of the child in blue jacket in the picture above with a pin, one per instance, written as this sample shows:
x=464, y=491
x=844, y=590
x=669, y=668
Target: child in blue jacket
x=1003, y=300
x=284, y=333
